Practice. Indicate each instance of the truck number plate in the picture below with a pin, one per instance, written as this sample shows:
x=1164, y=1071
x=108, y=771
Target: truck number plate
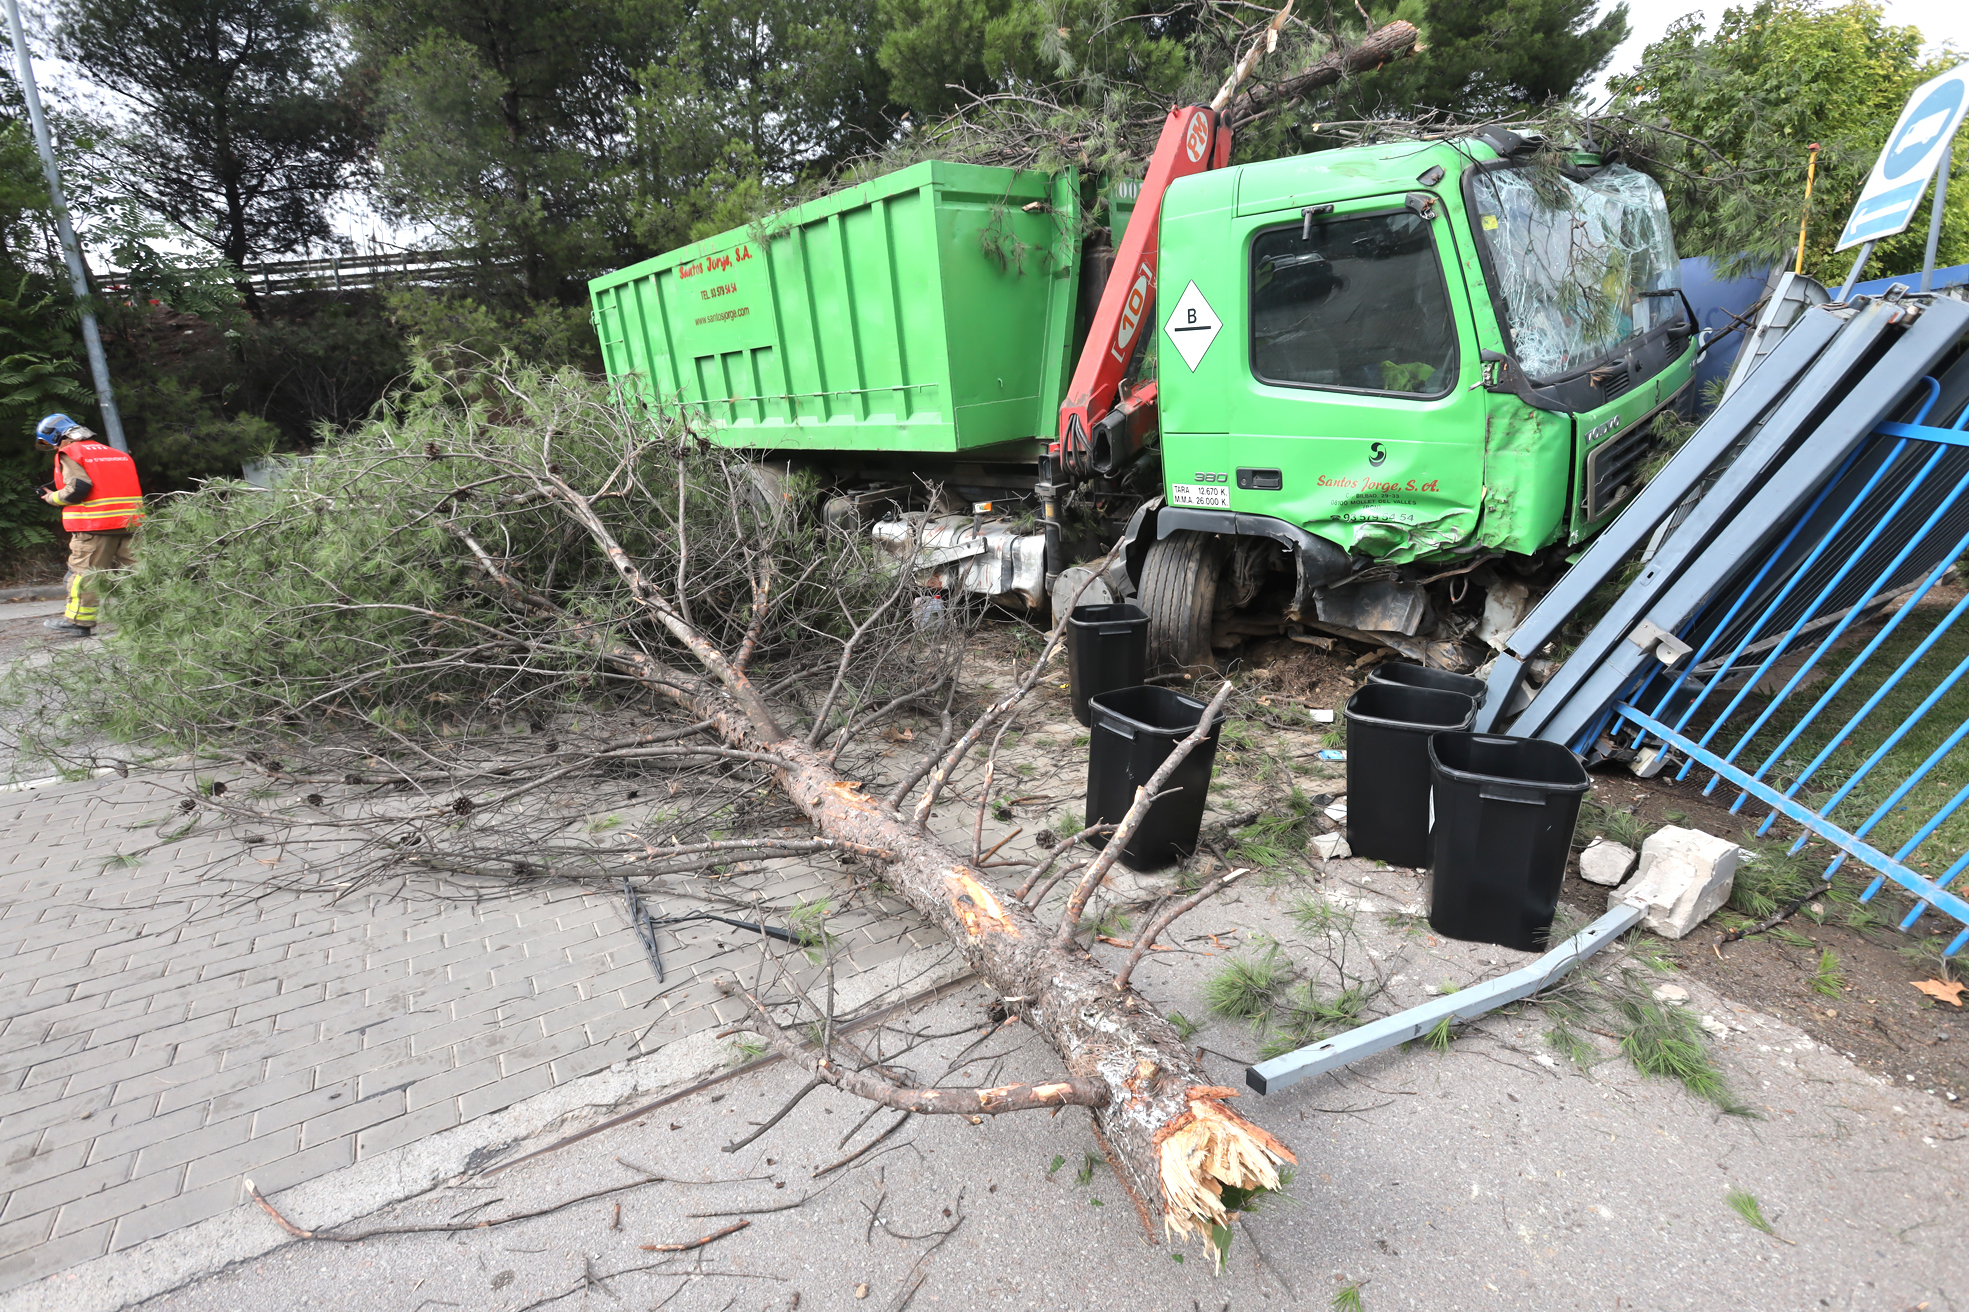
x=1200, y=494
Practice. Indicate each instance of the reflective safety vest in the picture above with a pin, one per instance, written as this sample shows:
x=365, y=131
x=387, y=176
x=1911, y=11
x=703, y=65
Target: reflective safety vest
x=115, y=501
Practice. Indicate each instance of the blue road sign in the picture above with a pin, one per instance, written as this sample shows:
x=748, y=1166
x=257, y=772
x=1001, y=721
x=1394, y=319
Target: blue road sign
x=1914, y=148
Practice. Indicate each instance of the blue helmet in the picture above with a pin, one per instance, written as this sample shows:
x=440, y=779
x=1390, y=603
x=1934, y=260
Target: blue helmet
x=52, y=429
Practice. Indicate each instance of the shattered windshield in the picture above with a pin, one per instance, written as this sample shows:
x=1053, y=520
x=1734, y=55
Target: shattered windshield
x=1574, y=261
x=1355, y=303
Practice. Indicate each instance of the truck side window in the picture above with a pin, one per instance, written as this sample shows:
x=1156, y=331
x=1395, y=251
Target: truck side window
x=1578, y=264
x=1359, y=305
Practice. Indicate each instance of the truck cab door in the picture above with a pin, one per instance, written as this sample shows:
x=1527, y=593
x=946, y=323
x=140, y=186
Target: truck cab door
x=1344, y=405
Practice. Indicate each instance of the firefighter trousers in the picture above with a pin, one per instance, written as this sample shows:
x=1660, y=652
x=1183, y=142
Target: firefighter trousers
x=88, y=555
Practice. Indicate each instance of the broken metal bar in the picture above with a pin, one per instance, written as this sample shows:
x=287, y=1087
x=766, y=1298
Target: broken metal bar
x=1465, y=1004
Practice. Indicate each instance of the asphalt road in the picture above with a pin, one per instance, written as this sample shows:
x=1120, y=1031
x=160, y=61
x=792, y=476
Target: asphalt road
x=1488, y=1176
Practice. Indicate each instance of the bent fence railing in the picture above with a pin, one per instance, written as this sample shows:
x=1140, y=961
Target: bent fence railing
x=1799, y=643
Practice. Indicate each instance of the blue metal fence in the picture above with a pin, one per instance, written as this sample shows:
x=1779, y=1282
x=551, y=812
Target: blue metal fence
x=1844, y=631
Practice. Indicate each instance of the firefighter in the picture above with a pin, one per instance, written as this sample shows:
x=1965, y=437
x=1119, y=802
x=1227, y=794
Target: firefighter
x=96, y=487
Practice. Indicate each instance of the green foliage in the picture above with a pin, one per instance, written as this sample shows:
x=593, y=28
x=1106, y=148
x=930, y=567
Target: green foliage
x=1186, y=1028
x=186, y=437
x=1660, y=1040
x=941, y=53
x=1057, y=1163
x=1611, y=823
x=1247, y=987
x=1484, y=58
x=1087, y=1165
x=1574, y=1045
x=1316, y=915
x=37, y=375
x=1668, y=1042
x=149, y=254
x=339, y=603
x=747, y=99
x=808, y=923
x=581, y=138
x=1776, y=76
x=1304, y=1014
x=1276, y=841
x=1347, y=1298
x=1828, y=980
x=1745, y=1204
x=457, y=331
x=235, y=125
x=506, y=128
x=1438, y=1039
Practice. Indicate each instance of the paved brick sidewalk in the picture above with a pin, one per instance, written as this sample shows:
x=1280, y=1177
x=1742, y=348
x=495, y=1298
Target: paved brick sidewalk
x=171, y=1027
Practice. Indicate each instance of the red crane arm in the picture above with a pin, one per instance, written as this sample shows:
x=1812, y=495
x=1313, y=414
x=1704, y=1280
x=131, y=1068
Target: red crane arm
x=1193, y=139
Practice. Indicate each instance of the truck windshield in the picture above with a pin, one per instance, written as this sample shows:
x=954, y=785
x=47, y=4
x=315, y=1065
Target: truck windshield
x=1572, y=262
x=1356, y=303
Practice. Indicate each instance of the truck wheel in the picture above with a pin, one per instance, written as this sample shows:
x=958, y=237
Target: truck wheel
x=1179, y=592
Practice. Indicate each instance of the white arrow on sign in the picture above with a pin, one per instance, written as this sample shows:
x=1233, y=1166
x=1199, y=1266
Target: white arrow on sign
x=1914, y=150
x=1192, y=326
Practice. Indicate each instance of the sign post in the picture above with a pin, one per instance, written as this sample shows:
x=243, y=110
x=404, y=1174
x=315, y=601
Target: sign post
x=1917, y=146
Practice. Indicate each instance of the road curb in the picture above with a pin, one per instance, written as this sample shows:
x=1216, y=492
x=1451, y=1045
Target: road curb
x=38, y=592
x=178, y=1257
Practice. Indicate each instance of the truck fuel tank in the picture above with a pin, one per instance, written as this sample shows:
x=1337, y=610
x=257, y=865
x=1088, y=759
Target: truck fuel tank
x=994, y=557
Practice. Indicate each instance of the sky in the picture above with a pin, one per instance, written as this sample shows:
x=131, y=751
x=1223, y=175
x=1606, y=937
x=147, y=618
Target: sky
x=1939, y=21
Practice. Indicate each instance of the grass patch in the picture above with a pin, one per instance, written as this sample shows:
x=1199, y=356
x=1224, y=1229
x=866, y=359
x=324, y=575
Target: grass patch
x=1610, y=823
x=1288, y=1009
x=1306, y=1015
x=1849, y=751
x=1745, y=1204
x=1248, y=988
x=1662, y=1041
x=1828, y=980
x=1438, y=1039
x=1276, y=842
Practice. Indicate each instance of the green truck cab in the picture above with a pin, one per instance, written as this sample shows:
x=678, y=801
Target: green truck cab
x=1396, y=384
x=1394, y=362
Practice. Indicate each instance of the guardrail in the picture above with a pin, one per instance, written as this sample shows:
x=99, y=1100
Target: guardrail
x=360, y=272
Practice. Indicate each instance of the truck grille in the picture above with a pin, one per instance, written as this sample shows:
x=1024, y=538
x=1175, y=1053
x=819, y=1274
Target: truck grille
x=1612, y=382
x=1613, y=468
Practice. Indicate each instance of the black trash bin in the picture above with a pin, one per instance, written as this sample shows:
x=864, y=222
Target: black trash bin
x=1421, y=676
x=1388, y=728
x=1107, y=648
x=1504, y=815
x=1135, y=729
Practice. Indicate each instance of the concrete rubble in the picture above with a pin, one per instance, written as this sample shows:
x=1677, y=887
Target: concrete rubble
x=1605, y=862
x=1684, y=876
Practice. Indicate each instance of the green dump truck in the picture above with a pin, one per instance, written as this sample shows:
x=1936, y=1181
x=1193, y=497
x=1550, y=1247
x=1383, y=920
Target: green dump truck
x=1383, y=390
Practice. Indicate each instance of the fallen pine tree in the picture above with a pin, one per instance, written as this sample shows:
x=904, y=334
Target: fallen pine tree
x=448, y=643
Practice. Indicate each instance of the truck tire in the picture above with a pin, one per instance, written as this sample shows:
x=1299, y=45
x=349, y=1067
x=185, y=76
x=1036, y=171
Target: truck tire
x=1179, y=592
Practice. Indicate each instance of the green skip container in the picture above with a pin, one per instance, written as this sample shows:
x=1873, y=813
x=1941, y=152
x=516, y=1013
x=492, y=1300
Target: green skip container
x=930, y=310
